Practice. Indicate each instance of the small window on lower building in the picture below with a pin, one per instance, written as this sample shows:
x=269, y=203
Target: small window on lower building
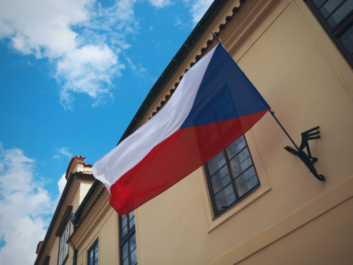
x=63, y=246
x=231, y=175
x=336, y=17
x=128, y=251
x=93, y=254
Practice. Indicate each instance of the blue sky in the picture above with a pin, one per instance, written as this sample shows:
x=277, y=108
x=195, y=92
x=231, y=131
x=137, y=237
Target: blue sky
x=72, y=75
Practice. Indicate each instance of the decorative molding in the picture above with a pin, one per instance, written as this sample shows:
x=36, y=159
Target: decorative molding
x=97, y=214
x=63, y=222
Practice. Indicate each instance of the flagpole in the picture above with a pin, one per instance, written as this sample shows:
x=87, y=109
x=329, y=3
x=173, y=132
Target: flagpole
x=270, y=110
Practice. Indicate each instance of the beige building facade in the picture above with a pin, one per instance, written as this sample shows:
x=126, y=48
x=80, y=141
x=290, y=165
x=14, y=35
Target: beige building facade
x=288, y=217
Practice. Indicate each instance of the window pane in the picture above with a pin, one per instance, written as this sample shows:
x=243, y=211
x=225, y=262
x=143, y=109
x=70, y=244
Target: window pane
x=220, y=179
x=241, y=162
x=235, y=147
x=125, y=250
x=132, y=223
x=319, y=3
x=329, y=7
x=132, y=242
x=347, y=39
x=124, y=231
x=340, y=13
x=246, y=181
x=91, y=262
x=216, y=163
x=91, y=254
x=133, y=258
x=96, y=247
x=96, y=258
x=126, y=261
x=224, y=198
x=131, y=215
x=124, y=221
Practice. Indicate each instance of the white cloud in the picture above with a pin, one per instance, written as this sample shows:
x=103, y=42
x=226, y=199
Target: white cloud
x=136, y=69
x=62, y=183
x=23, y=203
x=63, y=151
x=85, y=59
x=198, y=8
x=178, y=22
x=160, y=3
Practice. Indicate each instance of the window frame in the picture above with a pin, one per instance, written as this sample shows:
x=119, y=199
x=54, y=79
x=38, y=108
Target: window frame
x=123, y=240
x=211, y=192
x=94, y=253
x=68, y=249
x=334, y=32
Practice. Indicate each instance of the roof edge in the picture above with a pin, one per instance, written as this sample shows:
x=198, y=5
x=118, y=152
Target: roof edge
x=177, y=58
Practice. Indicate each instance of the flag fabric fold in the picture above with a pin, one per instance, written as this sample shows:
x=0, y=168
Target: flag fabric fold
x=214, y=105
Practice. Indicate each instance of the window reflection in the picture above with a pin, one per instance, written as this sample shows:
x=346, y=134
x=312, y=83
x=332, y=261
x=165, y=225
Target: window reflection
x=231, y=175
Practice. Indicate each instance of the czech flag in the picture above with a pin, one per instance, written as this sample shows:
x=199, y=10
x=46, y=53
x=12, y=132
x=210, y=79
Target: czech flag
x=213, y=106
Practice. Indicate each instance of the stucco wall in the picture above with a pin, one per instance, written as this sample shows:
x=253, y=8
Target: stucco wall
x=301, y=74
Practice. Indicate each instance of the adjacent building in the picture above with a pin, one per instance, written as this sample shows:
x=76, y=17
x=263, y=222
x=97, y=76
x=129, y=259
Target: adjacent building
x=254, y=203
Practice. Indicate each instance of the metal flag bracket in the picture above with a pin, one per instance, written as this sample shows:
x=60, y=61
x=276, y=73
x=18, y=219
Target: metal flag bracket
x=307, y=158
x=311, y=134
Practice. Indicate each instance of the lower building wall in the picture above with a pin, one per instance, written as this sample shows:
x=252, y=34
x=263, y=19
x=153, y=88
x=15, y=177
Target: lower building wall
x=107, y=234
x=327, y=239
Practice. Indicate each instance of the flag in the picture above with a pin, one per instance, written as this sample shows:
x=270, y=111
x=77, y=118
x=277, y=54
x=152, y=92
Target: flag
x=214, y=105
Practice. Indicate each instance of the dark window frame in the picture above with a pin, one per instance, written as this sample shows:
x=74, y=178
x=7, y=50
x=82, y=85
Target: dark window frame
x=334, y=32
x=238, y=198
x=94, y=253
x=125, y=239
x=68, y=223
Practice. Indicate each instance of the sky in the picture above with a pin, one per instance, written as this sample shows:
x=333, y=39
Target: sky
x=73, y=73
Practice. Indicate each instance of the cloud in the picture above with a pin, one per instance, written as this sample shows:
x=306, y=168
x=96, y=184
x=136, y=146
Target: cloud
x=136, y=69
x=62, y=183
x=198, y=8
x=80, y=38
x=178, y=22
x=63, y=151
x=24, y=203
x=160, y=3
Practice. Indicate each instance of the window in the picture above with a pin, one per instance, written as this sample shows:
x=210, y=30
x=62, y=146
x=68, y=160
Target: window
x=128, y=254
x=64, y=247
x=93, y=254
x=336, y=17
x=231, y=175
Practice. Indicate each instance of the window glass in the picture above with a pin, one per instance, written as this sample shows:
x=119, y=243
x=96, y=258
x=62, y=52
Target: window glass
x=225, y=198
x=63, y=246
x=347, y=39
x=220, y=179
x=231, y=175
x=128, y=239
x=330, y=6
x=319, y=3
x=340, y=13
x=241, y=162
x=133, y=258
x=216, y=163
x=235, y=147
x=93, y=254
x=246, y=181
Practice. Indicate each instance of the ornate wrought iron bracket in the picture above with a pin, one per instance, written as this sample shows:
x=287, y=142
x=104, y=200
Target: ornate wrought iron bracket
x=307, y=159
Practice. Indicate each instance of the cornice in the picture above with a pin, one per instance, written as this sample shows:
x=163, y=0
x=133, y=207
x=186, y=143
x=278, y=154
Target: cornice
x=94, y=214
